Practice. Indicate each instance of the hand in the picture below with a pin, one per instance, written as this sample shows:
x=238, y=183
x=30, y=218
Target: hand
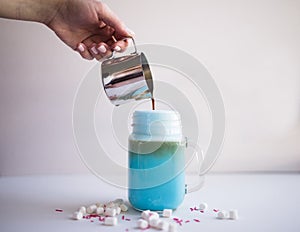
x=89, y=27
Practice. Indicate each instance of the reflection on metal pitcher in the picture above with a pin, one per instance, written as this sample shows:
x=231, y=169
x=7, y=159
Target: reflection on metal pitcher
x=127, y=78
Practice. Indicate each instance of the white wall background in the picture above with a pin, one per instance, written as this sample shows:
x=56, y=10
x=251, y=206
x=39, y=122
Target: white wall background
x=251, y=48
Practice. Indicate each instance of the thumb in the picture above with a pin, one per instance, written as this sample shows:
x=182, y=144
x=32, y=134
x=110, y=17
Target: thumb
x=111, y=19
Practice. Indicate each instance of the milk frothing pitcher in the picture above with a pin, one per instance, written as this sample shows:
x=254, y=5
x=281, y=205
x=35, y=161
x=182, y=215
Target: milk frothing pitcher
x=127, y=78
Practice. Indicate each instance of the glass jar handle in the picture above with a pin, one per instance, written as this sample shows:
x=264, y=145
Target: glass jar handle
x=199, y=155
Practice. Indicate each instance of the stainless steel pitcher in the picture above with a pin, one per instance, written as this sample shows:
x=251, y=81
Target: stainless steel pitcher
x=127, y=78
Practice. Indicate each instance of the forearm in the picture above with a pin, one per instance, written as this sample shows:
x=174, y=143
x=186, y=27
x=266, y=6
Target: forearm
x=30, y=10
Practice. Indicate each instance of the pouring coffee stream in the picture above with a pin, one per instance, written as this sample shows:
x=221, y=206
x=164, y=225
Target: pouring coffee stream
x=153, y=103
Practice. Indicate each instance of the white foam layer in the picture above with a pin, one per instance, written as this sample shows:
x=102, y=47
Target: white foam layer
x=156, y=125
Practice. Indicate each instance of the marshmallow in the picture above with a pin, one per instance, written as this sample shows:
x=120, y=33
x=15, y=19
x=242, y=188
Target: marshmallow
x=82, y=209
x=153, y=221
x=153, y=215
x=100, y=210
x=162, y=225
x=111, y=212
x=77, y=215
x=91, y=209
x=118, y=201
x=118, y=210
x=110, y=221
x=233, y=214
x=123, y=207
x=142, y=224
x=172, y=227
x=145, y=214
x=99, y=205
x=203, y=206
x=167, y=213
x=110, y=204
x=222, y=214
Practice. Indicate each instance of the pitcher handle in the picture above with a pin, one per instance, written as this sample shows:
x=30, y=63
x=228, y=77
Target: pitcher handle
x=133, y=42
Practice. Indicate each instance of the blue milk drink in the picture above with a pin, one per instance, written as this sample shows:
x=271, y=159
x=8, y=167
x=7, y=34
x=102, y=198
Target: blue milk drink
x=156, y=160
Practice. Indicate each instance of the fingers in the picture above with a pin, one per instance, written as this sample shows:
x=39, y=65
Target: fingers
x=101, y=51
x=97, y=51
x=109, y=18
x=94, y=47
x=84, y=52
x=120, y=45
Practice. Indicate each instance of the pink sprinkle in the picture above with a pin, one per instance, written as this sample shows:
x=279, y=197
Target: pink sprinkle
x=59, y=210
x=127, y=219
x=93, y=215
x=216, y=210
x=195, y=208
x=196, y=220
x=202, y=211
x=179, y=221
x=91, y=221
x=191, y=209
x=187, y=221
x=123, y=217
x=127, y=230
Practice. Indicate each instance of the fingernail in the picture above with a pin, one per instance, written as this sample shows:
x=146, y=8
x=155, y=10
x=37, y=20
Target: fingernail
x=117, y=48
x=102, y=49
x=130, y=31
x=94, y=50
x=80, y=48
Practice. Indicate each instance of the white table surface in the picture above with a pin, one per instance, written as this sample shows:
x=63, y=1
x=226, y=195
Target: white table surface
x=266, y=202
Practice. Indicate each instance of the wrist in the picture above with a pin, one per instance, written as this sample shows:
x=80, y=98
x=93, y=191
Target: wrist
x=48, y=10
x=30, y=10
x=42, y=11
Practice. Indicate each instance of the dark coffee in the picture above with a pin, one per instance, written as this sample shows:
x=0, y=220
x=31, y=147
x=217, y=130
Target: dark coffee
x=153, y=103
